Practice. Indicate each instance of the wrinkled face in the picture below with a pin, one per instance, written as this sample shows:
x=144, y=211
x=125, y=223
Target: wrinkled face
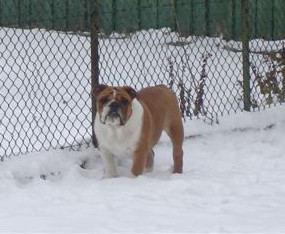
x=114, y=104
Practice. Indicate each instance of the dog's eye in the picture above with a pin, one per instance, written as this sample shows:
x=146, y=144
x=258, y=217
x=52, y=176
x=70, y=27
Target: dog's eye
x=104, y=100
x=124, y=102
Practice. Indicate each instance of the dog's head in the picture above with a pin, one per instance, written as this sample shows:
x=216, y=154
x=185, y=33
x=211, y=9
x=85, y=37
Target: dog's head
x=114, y=104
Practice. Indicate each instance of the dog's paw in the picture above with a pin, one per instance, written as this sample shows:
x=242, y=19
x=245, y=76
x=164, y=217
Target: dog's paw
x=111, y=175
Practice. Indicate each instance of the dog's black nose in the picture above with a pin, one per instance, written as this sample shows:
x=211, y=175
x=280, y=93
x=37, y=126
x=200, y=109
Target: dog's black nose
x=114, y=105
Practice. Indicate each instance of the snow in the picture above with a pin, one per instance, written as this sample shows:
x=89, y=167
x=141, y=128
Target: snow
x=233, y=181
x=233, y=178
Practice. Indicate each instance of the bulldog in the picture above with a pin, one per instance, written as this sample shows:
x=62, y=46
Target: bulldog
x=130, y=123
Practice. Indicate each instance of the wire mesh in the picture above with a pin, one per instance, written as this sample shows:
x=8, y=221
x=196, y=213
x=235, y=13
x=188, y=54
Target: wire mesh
x=45, y=90
x=45, y=73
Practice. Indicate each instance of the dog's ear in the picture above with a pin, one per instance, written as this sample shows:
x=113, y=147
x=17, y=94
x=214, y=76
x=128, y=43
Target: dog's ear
x=97, y=90
x=133, y=93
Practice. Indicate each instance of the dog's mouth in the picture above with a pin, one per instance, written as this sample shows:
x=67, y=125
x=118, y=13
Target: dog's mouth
x=112, y=118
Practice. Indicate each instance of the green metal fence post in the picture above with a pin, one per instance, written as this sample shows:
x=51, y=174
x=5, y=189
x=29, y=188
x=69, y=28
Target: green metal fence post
x=207, y=17
x=86, y=15
x=245, y=54
x=1, y=13
x=52, y=14
x=114, y=15
x=174, y=16
x=67, y=15
x=157, y=15
x=139, y=14
x=192, y=18
x=94, y=27
x=233, y=34
x=273, y=20
x=19, y=13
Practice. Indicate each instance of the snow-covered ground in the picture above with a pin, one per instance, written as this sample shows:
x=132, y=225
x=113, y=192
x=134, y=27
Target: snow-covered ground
x=233, y=177
x=233, y=181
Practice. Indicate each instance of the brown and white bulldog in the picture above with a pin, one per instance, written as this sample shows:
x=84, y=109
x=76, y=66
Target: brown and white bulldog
x=130, y=123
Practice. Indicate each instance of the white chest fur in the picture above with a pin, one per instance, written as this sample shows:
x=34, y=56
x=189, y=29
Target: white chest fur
x=120, y=140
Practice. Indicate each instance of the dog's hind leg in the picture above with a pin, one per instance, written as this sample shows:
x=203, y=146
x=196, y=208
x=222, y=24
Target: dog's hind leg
x=149, y=161
x=176, y=134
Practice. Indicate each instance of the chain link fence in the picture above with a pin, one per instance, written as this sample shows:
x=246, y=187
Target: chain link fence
x=45, y=74
x=45, y=86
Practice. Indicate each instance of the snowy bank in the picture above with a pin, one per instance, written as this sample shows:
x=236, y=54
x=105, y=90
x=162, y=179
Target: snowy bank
x=233, y=181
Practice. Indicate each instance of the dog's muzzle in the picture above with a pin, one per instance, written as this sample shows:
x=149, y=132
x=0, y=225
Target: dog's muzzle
x=113, y=114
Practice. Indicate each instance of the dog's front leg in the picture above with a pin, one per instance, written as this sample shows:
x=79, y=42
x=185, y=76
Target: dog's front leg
x=109, y=163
